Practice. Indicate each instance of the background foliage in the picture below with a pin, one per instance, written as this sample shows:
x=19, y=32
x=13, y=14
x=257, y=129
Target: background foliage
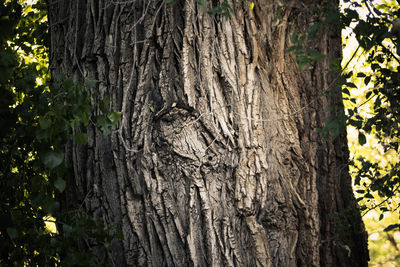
x=35, y=124
x=372, y=106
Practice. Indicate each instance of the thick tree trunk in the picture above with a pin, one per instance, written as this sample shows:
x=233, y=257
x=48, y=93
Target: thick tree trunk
x=216, y=160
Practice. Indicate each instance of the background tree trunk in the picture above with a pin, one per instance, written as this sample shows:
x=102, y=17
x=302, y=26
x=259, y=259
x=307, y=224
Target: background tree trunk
x=216, y=160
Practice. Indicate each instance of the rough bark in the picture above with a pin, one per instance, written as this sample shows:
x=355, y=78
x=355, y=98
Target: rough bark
x=216, y=160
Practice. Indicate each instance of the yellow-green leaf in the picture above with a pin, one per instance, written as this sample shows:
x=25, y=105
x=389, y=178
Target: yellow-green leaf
x=251, y=6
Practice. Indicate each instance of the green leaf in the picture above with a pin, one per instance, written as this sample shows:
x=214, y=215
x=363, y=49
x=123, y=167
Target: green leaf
x=68, y=83
x=60, y=184
x=12, y=232
x=302, y=65
x=295, y=37
x=53, y=159
x=81, y=138
x=114, y=117
x=361, y=138
x=101, y=120
x=315, y=55
x=85, y=118
x=106, y=131
x=103, y=124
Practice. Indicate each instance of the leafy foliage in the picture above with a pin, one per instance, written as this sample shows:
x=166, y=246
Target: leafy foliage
x=36, y=123
x=375, y=114
x=371, y=94
x=383, y=245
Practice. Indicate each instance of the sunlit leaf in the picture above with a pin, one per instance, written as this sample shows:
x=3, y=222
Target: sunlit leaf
x=251, y=6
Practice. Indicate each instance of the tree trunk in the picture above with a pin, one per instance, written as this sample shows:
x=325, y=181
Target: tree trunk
x=216, y=160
